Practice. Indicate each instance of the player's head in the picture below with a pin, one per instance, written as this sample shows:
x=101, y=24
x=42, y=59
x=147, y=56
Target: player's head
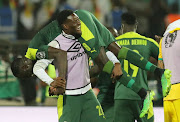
x=22, y=67
x=129, y=22
x=70, y=23
x=113, y=31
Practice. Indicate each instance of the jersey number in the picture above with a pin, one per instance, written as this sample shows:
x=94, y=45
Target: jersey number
x=133, y=67
x=100, y=110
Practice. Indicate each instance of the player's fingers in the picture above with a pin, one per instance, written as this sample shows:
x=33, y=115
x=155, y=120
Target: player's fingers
x=61, y=82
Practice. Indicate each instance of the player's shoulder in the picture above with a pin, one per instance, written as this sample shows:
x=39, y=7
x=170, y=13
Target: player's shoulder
x=152, y=41
x=128, y=35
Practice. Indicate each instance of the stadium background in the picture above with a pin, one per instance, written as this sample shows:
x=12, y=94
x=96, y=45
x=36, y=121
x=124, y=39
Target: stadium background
x=20, y=20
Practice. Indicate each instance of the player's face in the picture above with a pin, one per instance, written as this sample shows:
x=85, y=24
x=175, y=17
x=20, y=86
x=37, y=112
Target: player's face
x=26, y=68
x=74, y=25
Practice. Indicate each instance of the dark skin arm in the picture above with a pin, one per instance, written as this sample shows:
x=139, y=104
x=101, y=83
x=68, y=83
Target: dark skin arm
x=94, y=71
x=160, y=64
x=102, y=59
x=114, y=48
x=116, y=73
x=60, y=58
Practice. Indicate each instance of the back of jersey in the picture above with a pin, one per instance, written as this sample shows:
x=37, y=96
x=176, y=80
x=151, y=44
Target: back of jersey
x=146, y=47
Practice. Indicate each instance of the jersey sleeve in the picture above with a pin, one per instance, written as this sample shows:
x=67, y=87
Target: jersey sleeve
x=35, y=43
x=41, y=65
x=104, y=32
x=160, y=51
x=38, y=48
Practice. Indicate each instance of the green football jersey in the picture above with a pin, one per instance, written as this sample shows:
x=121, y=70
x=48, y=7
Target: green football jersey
x=94, y=35
x=146, y=47
x=42, y=38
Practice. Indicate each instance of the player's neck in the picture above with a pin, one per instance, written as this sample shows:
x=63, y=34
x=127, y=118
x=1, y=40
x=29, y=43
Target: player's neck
x=68, y=36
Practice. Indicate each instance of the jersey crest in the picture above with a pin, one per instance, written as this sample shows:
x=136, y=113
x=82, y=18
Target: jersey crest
x=169, y=41
x=41, y=55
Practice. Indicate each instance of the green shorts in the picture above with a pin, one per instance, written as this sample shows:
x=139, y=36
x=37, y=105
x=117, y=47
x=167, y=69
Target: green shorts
x=106, y=99
x=108, y=112
x=129, y=111
x=80, y=108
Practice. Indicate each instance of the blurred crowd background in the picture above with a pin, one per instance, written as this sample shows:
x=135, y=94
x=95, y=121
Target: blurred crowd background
x=20, y=20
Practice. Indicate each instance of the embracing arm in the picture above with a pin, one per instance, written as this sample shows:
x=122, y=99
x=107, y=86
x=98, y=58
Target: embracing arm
x=39, y=70
x=116, y=72
x=41, y=65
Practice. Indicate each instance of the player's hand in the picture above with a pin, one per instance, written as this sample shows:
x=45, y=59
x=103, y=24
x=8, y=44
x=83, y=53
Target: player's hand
x=56, y=91
x=58, y=83
x=117, y=72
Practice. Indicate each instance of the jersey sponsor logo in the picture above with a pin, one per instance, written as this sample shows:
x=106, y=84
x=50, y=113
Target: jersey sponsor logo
x=170, y=38
x=77, y=56
x=75, y=47
x=40, y=55
x=88, y=48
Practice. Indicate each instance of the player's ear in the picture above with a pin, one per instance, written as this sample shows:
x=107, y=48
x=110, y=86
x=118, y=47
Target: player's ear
x=65, y=26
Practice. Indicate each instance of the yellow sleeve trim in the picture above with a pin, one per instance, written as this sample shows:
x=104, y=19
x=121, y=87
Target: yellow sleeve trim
x=174, y=30
x=86, y=33
x=31, y=53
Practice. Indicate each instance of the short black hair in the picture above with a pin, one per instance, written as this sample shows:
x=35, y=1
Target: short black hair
x=129, y=18
x=15, y=66
x=62, y=16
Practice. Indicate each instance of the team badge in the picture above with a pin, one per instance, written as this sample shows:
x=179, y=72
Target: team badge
x=40, y=55
x=169, y=41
